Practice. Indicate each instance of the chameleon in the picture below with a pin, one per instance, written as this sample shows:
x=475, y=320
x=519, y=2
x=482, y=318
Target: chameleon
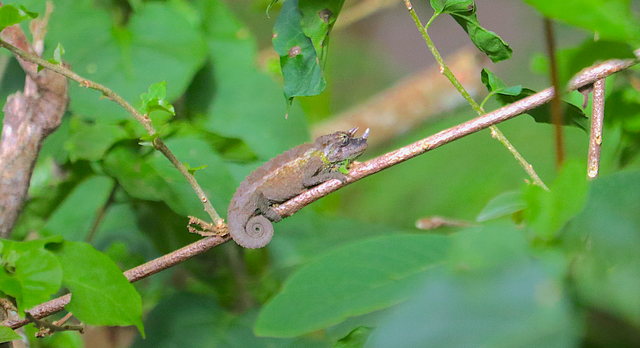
x=284, y=177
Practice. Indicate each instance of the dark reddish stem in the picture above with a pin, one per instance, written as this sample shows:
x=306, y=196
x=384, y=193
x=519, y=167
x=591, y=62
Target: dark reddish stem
x=556, y=103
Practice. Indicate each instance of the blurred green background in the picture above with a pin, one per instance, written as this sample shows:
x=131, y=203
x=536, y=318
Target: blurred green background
x=230, y=116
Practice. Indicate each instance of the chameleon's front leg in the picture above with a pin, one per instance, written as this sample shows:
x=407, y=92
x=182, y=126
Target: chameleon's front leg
x=316, y=173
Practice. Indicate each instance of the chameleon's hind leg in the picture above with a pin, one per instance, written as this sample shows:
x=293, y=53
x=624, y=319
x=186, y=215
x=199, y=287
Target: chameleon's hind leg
x=264, y=207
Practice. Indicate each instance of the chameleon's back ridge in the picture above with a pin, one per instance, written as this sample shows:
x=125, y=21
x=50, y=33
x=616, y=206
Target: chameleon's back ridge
x=284, y=177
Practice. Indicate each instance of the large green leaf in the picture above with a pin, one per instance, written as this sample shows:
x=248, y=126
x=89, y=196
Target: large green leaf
x=308, y=234
x=154, y=178
x=603, y=243
x=160, y=42
x=548, y=211
x=91, y=141
x=29, y=273
x=318, y=18
x=100, y=293
x=40, y=276
x=519, y=307
x=7, y=334
x=351, y=280
x=299, y=61
x=490, y=294
x=248, y=104
x=193, y=320
x=609, y=19
x=75, y=216
x=10, y=15
x=504, y=204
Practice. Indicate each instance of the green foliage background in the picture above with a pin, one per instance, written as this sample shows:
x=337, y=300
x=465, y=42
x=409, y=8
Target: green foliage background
x=350, y=270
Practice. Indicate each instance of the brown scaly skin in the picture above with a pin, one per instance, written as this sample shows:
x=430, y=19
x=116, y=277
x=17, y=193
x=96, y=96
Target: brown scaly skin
x=284, y=177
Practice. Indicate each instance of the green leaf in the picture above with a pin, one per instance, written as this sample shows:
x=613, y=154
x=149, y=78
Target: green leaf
x=602, y=244
x=195, y=320
x=40, y=276
x=154, y=178
x=504, y=204
x=57, y=57
x=155, y=99
x=355, y=339
x=520, y=306
x=7, y=334
x=260, y=123
x=10, y=15
x=299, y=61
x=158, y=43
x=464, y=12
x=193, y=170
x=75, y=216
x=623, y=106
x=101, y=295
x=22, y=247
x=318, y=18
x=453, y=6
x=90, y=141
x=571, y=114
x=57, y=53
x=490, y=294
x=351, y=280
x=308, y=234
x=495, y=85
x=548, y=211
x=609, y=19
x=487, y=249
x=29, y=272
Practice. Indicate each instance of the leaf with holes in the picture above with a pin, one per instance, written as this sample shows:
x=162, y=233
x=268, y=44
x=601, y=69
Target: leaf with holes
x=299, y=61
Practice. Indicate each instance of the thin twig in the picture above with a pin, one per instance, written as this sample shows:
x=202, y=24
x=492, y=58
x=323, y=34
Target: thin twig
x=144, y=120
x=588, y=76
x=556, y=103
x=48, y=329
x=595, y=138
x=444, y=69
x=100, y=215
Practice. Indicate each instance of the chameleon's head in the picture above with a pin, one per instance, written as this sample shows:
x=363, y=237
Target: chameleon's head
x=342, y=146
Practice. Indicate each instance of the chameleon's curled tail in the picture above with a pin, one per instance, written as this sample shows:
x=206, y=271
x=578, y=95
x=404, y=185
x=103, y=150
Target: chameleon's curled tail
x=256, y=234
